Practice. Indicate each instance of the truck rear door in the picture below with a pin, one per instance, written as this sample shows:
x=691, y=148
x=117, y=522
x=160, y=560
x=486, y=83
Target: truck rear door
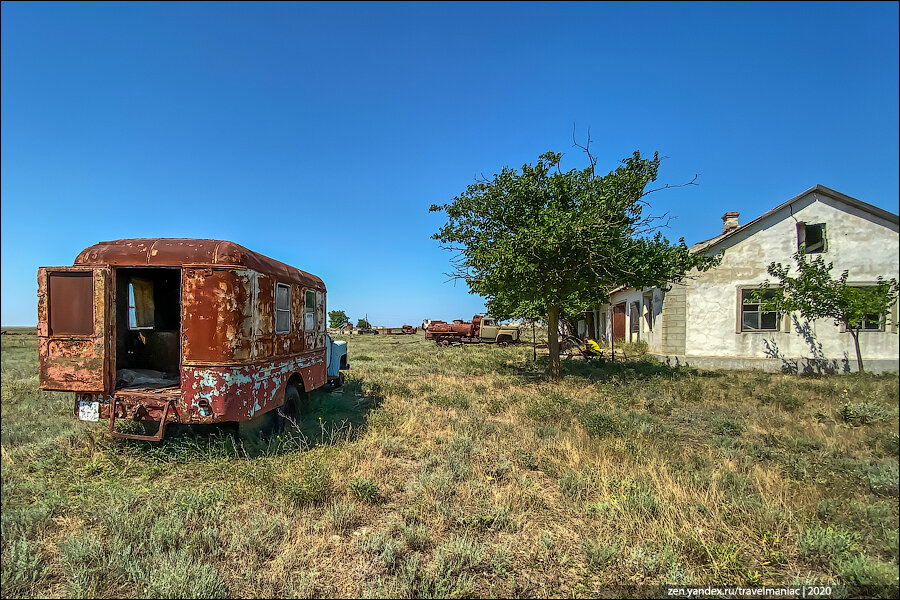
x=74, y=328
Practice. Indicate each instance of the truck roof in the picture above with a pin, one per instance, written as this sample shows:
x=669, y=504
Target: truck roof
x=178, y=252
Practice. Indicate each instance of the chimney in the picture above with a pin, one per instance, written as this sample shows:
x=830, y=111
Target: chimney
x=730, y=221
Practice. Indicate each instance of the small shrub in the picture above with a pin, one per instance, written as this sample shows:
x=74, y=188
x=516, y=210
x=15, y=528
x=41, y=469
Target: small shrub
x=550, y=407
x=599, y=554
x=23, y=566
x=865, y=412
x=574, y=485
x=826, y=509
x=454, y=399
x=364, y=489
x=883, y=478
x=601, y=425
x=343, y=516
x=864, y=571
x=728, y=427
x=311, y=487
x=181, y=575
x=884, y=443
x=414, y=535
x=825, y=545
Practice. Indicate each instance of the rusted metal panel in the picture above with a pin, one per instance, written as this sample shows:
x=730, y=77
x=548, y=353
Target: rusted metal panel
x=72, y=312
x=264, y=320
x=217, y=314
x=176, y=252
x=76, y=361
x=241, y=392
x=320, y=319
x=297, y=301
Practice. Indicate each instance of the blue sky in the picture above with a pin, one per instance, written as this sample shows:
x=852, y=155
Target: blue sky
x=319, y=134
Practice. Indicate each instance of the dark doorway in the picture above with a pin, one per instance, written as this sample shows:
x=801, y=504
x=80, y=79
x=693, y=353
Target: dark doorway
x=148, y=327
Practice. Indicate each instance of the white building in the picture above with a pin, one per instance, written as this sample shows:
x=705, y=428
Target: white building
x=707, y=322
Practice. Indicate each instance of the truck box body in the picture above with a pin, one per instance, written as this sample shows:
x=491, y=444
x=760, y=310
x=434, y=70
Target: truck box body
x=197, y=331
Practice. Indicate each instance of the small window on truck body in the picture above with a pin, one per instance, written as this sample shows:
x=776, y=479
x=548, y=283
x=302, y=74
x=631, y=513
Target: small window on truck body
x=282, y=308
x=141, y=310
x=309, y=323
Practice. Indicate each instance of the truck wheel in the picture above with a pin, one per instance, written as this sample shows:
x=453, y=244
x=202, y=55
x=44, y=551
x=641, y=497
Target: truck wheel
x=296, y=403
x=503, y=344
x=264, y=425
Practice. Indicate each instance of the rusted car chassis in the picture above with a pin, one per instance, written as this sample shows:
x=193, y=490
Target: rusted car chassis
x=182, y=331
x=479, y=330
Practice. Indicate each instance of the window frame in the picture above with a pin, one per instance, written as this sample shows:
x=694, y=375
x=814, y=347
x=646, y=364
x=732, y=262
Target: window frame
x=283, y=310
x=801, y=237
x=780, y=321
x=132, y=306
x=309, y=325
x=887, y=320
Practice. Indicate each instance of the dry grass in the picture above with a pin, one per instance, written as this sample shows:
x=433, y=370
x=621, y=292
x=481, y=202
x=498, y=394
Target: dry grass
x=462, y=472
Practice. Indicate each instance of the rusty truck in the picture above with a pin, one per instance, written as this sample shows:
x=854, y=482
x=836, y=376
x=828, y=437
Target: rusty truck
x=186, y=331
x=480, y=329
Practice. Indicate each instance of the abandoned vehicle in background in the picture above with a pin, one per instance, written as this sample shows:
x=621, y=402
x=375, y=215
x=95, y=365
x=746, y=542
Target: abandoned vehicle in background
x=184, y=331
x=479, y=330
x=404, y=330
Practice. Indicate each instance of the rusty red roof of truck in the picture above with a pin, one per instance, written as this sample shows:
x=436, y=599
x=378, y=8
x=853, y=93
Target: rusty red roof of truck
x=177, y=252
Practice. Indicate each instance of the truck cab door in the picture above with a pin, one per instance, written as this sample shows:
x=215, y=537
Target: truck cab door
x=489, y=330
x=75, y=329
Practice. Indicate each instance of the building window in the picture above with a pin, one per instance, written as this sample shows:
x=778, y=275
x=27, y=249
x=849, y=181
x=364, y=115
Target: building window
x=141, y=311
x=282, y=308
x=811, y=237
x=754, y=319
x=873, y=322
x=310, y=311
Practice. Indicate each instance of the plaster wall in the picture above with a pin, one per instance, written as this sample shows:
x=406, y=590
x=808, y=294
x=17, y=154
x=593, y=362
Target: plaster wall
x=857, y=241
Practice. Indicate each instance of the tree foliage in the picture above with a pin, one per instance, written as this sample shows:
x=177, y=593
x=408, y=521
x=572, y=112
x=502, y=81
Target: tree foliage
x=337, y=319
x=363, y=324
x=541, y=240
x=815, y=294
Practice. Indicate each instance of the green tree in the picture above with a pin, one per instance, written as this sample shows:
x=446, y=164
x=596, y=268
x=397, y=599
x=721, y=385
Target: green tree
x=815, y=294
x=337, y=319
x=540, y=240
x=363, y=324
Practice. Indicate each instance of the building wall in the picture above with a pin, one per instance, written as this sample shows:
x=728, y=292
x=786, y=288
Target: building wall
x=857, y=241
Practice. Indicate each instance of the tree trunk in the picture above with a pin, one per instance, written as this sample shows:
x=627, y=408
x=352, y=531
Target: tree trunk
x=589, y=325
x=553, y=340
x=855, y=334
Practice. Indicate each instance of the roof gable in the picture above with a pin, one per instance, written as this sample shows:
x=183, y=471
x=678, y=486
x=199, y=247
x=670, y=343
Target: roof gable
x=864, y=207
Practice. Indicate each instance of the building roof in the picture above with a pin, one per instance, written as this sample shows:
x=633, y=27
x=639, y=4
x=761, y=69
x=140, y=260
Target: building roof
x=817, y=189
x=177, y=252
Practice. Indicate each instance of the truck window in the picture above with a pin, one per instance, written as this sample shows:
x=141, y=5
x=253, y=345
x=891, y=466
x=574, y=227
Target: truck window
x=140, y=304
x=71, y=303
x=310, y=310
x=282, y=308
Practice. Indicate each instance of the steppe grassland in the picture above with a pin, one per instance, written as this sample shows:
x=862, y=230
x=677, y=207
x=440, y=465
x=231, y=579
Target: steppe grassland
x=462, y=472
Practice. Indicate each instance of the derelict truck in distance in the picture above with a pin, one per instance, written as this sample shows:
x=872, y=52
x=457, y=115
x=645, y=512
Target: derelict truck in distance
x=183, y=331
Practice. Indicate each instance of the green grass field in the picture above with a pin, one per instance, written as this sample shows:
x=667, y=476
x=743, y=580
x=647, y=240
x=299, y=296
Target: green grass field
x=463, y=472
